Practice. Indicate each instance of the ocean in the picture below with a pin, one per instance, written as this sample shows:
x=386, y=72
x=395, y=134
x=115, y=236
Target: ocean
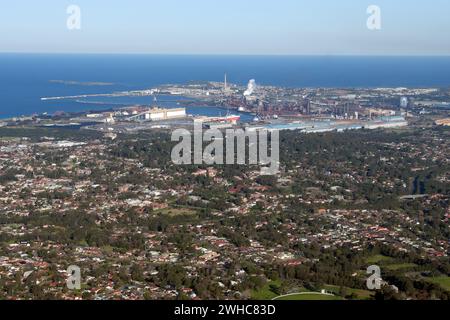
x=25, y=78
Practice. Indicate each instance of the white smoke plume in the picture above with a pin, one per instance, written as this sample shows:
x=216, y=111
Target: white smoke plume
x=250, y=88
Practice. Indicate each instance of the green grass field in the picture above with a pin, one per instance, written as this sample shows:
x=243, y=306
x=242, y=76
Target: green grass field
x=401, y=266
x=308, y=297
x=389, y=263
x=173, y=212
x=378, y=259
x=265, y=293
x=360, y=294
x=443, y=281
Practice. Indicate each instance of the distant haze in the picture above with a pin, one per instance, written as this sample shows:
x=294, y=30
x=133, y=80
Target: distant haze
x=282, y=27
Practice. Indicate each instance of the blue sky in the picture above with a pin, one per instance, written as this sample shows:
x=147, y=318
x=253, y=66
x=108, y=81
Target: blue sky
x=409, y=27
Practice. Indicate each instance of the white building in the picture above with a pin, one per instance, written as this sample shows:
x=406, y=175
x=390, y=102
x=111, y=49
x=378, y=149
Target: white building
x=158, y=114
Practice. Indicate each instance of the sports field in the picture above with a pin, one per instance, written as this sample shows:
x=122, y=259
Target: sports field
x=308, y=296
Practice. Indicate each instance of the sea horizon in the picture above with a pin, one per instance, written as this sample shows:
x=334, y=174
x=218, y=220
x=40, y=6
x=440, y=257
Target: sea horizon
x=351, y=55
x=27, y=77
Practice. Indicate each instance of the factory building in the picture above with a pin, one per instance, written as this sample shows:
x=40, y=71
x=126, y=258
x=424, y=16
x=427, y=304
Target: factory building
x=158, y=114
x=387, y=122
x=318, y=126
